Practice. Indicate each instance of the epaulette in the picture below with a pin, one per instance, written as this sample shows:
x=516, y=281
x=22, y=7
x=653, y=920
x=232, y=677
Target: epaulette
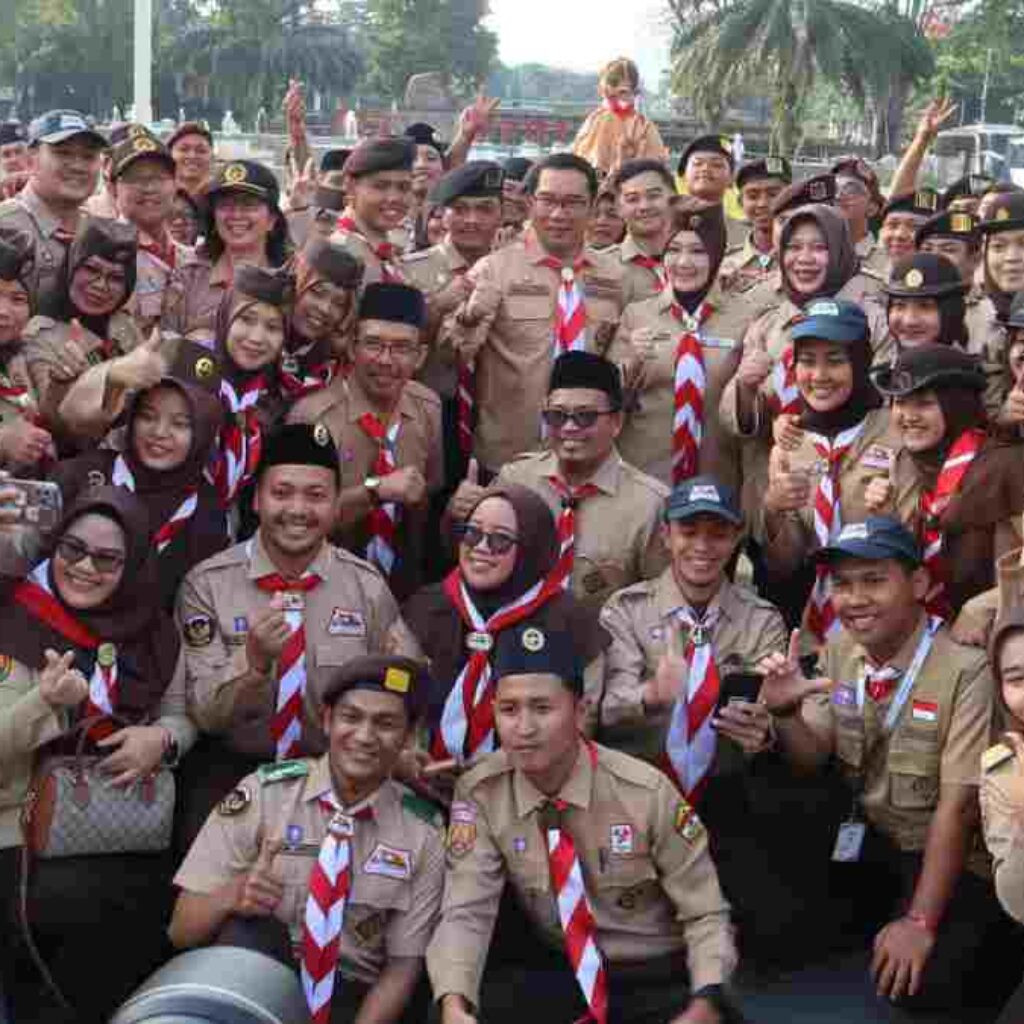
x=423, y=809
x=871, y=273
x=279, y=771
x=423, y=395
x=651, y=483
x=995, y=756
x=630, y=769
x=641, y=591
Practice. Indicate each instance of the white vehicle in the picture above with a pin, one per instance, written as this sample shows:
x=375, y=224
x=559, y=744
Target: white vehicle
x=995, y=150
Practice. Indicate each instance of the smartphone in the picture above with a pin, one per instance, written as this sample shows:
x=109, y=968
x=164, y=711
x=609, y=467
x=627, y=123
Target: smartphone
x=740, y=686
x=38, y=502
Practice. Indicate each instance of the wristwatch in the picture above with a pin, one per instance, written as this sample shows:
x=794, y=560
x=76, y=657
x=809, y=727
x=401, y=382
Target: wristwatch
x=372, y=485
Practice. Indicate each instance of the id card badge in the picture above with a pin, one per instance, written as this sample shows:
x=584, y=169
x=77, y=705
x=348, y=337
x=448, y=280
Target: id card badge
x=849, y=842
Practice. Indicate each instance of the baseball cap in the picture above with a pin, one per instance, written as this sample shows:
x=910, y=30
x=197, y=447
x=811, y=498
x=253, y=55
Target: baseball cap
x=60, y=125
x=831, y=320
x=703, y=495
x=878, y=537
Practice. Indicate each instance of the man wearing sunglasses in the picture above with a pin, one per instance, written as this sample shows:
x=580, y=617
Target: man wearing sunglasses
x=608, y=512
x=860, y=200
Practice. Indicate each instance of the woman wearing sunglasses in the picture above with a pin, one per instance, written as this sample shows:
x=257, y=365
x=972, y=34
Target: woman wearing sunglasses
x=507, y=547
x=83, y=636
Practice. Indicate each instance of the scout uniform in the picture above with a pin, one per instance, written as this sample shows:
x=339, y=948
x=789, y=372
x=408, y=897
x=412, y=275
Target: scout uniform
x=396, y=854
x=617, y=532
x=648, y=876
x=874, y=262
x=642, y=281
x=1002, y=797
x=513, y=347
x=29, y=213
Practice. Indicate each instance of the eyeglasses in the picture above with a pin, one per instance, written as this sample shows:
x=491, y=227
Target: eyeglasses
x=571, y=204
x=72, y=550
x=395, y=349
x=472, y=536
x=556, y=419
x=112, y=280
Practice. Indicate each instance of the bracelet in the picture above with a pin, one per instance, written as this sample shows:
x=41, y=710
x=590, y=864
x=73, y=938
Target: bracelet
x=922, y=921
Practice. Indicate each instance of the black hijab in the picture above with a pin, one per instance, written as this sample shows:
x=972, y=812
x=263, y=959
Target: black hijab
x=842, y=259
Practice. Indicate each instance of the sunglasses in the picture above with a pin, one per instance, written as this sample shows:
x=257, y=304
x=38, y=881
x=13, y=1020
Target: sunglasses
x=472, y=536
x=583, y=418
x=72, y=550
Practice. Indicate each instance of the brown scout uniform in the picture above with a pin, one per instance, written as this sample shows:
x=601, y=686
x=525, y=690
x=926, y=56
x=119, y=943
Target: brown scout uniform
x=397, y=859
x=874, y=260
x=652, y=887
x=193, y=295
x=518, y=298
x=938, y=740
x=27, y=212
x=646, y=438
x=618, y=536
x=1002, y=816
x=15, y=374
x=745, y=266
x=639, y=619
x=358, y=246
x=641, y=282
x=351, y=612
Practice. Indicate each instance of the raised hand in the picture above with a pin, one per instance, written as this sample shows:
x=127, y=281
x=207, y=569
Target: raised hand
x=260, y=890
x=60, y=685
x=670, y=675
x=789, y=490
x=785, y=686
x=468, y=493
x=72, y=361
x=141, y=368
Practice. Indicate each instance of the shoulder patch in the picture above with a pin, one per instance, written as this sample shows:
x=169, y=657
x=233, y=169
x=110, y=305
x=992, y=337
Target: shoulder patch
x=995, y=756
x=686, y=822
x=268, y=774
x=198, y=630
x=422, y=808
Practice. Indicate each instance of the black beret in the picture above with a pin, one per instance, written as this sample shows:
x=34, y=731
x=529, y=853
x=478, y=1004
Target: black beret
x=334, y=160
x=373, y=155
x=970, y=186
x=516, y=167
x=819, y=189
x=327, y=198
x=949, y=224
x=706, y=144
x=333, y=263
x=385, y=673
x=587, y=370
x=12, y=131
x=777, y=167
x=138, y=144
x=17, y=253
x=300, y=444
x=924, y=202
x=275, y=287
x=477, y=178
x=189, y=128
x=927, y=367
x=533, y=650
x=1007, y=214
x=246, y=176
x=193, y=363
x=424, y=134
x=924, y=275
x=397, y=303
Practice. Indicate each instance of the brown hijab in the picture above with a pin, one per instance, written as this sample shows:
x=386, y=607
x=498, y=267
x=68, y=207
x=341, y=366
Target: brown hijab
x=708, y=224
x=842, y=259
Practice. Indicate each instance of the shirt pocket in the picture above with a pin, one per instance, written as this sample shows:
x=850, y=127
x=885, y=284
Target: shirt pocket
x=339, y=651
x=629, y=884
x=529, y=307
x=913, y=780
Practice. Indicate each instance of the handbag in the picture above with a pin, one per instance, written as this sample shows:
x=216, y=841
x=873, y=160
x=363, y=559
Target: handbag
x=72, y=810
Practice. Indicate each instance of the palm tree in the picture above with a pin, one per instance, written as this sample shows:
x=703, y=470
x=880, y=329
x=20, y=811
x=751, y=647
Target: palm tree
x=783, y=45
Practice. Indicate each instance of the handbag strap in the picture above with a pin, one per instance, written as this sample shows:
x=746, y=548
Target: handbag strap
x=26, y=933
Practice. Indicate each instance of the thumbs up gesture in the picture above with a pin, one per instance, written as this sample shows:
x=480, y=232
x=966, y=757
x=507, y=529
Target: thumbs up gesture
x=72, y=362
x=260, y=890
x=467, y=494
x=788, y=489
x=664, y=686
x=142, y=367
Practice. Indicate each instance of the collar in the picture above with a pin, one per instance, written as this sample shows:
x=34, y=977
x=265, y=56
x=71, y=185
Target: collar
x=222, y=273
x=866, y=246
x=751, y=251
x=370, y=237
x=319, y=783
x=46, y=220
x=606, y=478
x=455, y=259
x=261, y=565
x=359, y=404
x=628, y=248
x=536, y=253
x=576, y=790
x=668, y=597
x=902, y=658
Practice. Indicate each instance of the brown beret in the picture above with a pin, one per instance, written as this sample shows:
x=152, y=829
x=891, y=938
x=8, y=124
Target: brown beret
x=373, y=155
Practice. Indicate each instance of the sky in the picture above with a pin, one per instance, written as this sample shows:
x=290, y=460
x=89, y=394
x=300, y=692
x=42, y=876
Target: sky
x=582, y=34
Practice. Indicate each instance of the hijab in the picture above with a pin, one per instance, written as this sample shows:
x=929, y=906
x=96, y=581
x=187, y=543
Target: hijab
x=131, y=618
x=842, y=259
x=863, y=397
x=708, y=223
x=235, y=300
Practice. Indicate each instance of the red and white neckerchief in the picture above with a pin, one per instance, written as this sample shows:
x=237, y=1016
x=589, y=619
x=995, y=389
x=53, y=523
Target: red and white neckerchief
x=122, y=476
x=299, y=378
x=467, y=721
x=933, y=503
x=561, y=575
x=570, y=333
x=167, y=254
x=691, y=382
x=821, y=614
x=655, y=264
x=34, y=594
x=880, y=682
x=465, y=396
x=286, y=724
x=330, y=883
x=785, y=397
x=387, y=253
x=691, y=739
x=383, y=519
x=618, y=108
x=575, y=914
x=240, y=443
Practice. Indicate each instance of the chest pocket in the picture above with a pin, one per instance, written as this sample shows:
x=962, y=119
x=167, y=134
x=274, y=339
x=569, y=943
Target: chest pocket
x=629, y=884
x=294, y=868
x=340, y=649
x=849, y=735
x=597, y=573
x=913, y=780
x=530, y=306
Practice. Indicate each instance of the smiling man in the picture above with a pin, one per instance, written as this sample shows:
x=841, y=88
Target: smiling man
x=644, y=192
x=15, y=163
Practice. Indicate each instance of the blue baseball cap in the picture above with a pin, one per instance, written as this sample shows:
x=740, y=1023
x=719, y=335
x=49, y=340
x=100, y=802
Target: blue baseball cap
x=877, y=538
x=60, y=125
x=703, y=495
x=831, y=320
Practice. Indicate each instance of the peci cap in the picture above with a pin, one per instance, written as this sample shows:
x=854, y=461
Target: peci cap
x=831, y=320
x=925, y=202
x=333, y=263
x=11, y=132
x=393, y=302
x=476, y=179
x=719, y=144
x=922, y=276
x=587, y=370
x=300, y=444
x=373, y=155
x=929, y=366
x=424, y=134
x=949, y=224
x=877, y=538
x=138, y=144
x=60, y=125
x=819, y=189
x=516, y=168
x=769, y=167
x=1007, y=214
x=532, y=650
x=381, y=673
x=247, y=176
x=703, y=495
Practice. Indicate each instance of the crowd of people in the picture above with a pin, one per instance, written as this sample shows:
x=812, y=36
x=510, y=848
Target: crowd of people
x=529, y=580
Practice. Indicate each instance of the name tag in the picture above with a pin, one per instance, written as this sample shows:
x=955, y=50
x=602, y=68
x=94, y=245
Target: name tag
x=527, y=288
x=849, y=842
x=877, y=456
x=722, y=343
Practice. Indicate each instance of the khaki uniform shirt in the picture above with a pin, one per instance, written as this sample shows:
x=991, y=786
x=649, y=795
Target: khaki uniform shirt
x=15, y=374
x=640, y=619
x=153, y=275
x=513, y=348
x=351, y=612
x=649, y=878
x=618, y=536
x=641, y=283
x=357, y=245
x=600, y=136
x=28, y=213
x=987, y=340
x=397, y=863
x=874, y=260
x=646, y=438
x=28, y=723
x=193, y=295
x=745, y=266
x=1002, y=816
x=432, y=271
x=938, y=740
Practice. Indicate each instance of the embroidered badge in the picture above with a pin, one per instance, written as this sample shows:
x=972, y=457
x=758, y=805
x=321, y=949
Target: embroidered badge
x=344, y=622
x=198, y=630
x=621, y=838
x=389, y=861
